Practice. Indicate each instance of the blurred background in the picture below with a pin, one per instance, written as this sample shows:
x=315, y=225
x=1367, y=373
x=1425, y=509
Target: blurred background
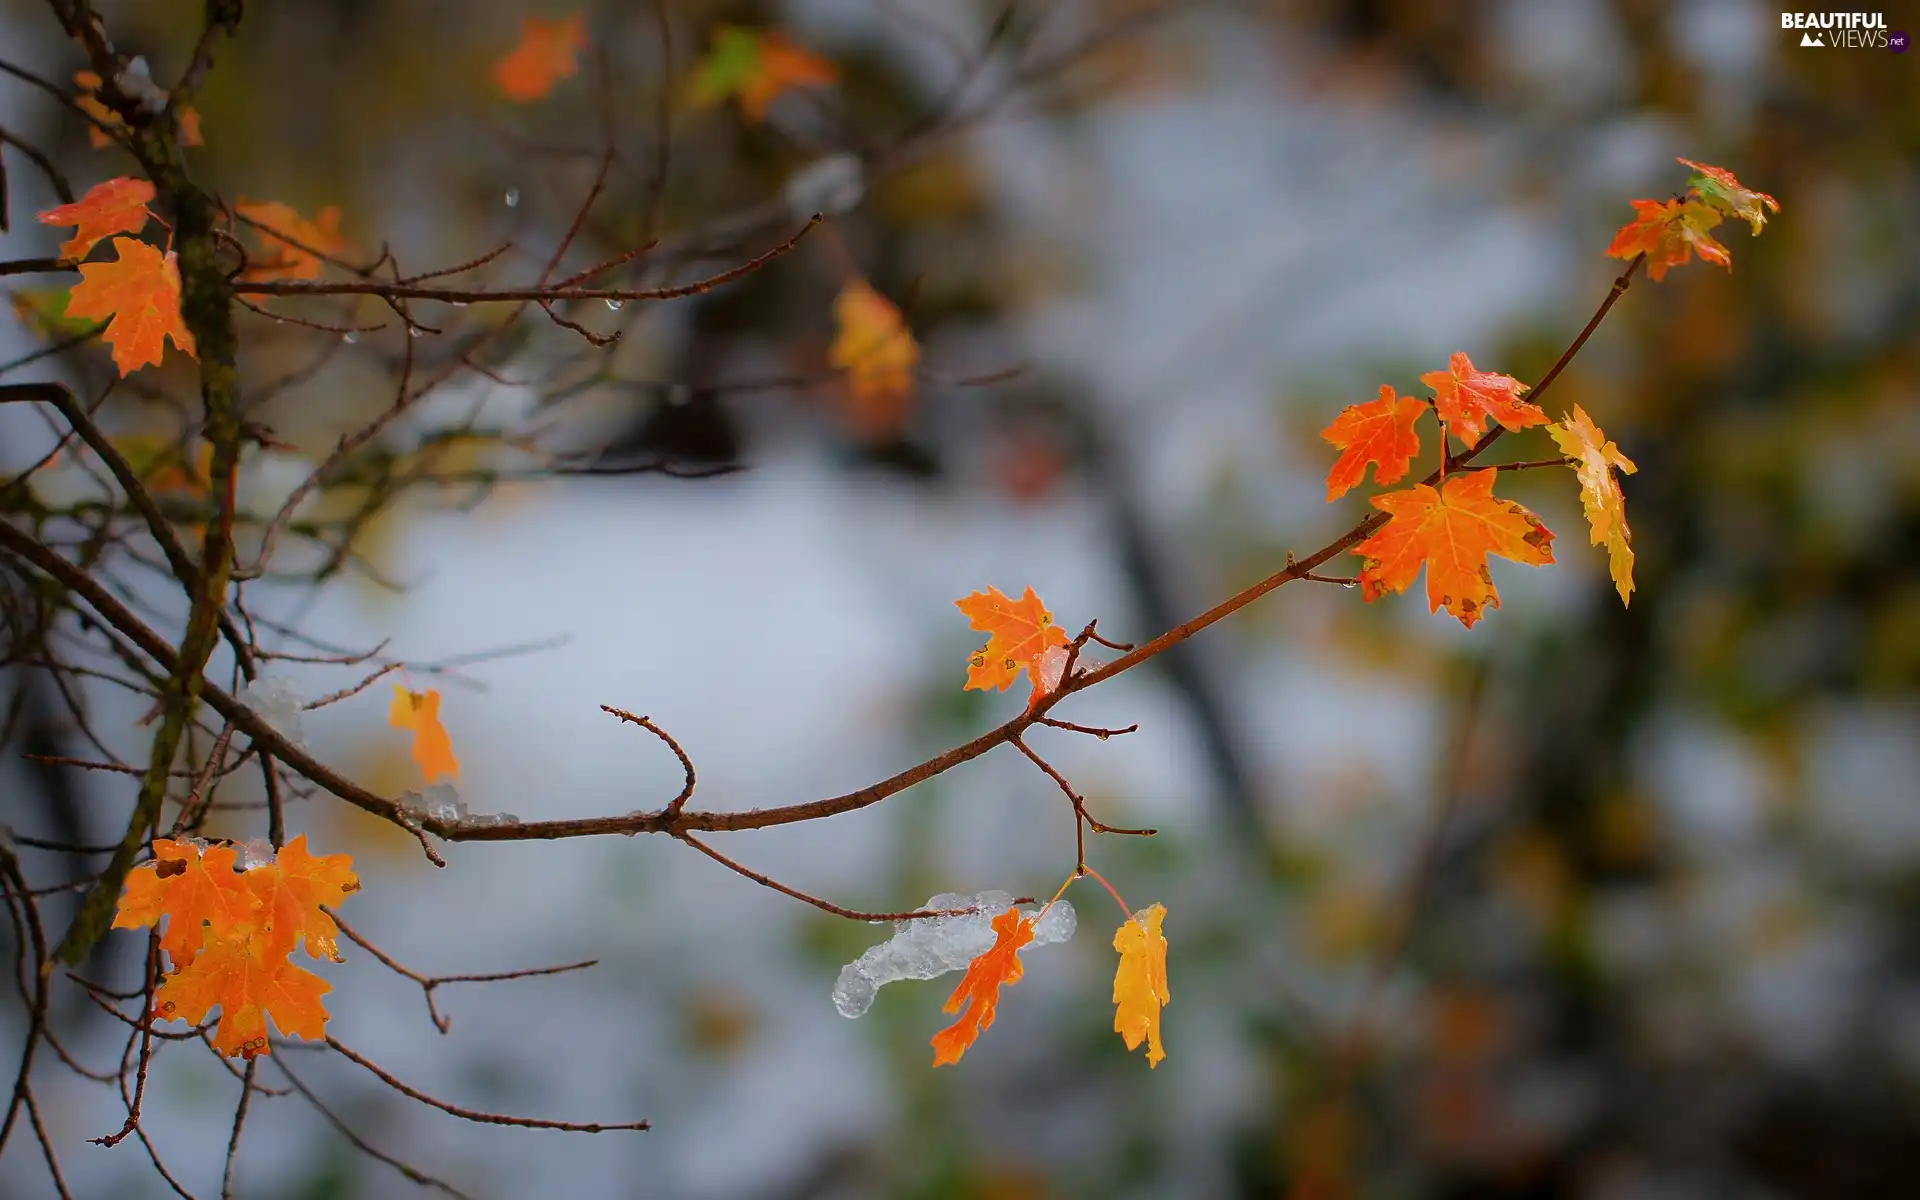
x=1589, y=901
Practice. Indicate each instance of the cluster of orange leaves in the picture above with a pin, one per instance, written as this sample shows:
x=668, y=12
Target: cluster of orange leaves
x=229, y=933
x=1450, y=530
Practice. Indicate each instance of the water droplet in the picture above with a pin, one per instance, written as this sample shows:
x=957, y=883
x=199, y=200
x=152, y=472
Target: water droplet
x=348, y=338
x=512, y=197
x=1350, y=584
x=459, y=303
x=613, y=304
x=413, y=331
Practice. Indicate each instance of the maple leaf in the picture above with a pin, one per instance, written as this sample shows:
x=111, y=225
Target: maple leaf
x=116, y=206
x=873, y=346
x=1450, y=530
x=1718, y=187
x=295, y=242
x=1379, y=432
x=979, y=989
x=542, y=57
x=1140, y=985
x=139, y=294
x=1464, y=398
x=432, y=748
x=249, y=984
x=1579, y=438
x=88, y=101
x=200, y=894
x=756, y=67
x=292, y=891
x=1020, y=631
x=1668, y=232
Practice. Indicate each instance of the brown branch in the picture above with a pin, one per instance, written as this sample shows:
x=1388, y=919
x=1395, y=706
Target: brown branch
x=429, y=982
x=484, y=1118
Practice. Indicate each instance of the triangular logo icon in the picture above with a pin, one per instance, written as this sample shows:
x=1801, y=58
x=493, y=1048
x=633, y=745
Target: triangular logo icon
x=1811, y=39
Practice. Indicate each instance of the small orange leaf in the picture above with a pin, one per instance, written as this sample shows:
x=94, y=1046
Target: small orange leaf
x=756, y=67
x=432, y=748
x=1379, y=432
x=543, y=56
x=1450, y=530
x=1669, y=232
x=1140, y=984
x=293, y=243
x=249, y=984
x=1464, y=398
x=1579, y=438
x=1020, y=632
x=199, y=893
x=979, y=989
x=116, y=206
x=88, y=101
x=140, y=293
x=291, y=894
x=873, y=346
x=1718, y=187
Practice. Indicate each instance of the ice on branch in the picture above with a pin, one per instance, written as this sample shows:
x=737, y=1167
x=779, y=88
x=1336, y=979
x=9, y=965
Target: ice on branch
x=932, y=946
x=441, y=802
x=277, y=702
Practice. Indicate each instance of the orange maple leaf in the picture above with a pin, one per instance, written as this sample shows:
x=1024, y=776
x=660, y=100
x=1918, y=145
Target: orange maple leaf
x=140, y=293
x=1020, y=632
x=116, y=206
x=203, y=898
x=432, y=748
x=291, y=894
x=1450, y=530
x=1140, y=983
x=1595, y=458
x=1464, y=398
x=249, y=984
x=979, y=989
x=294, y=242
x=542, y=57
x=1718, y=187
x=1379, y=432
x=88, y=101
x=873, y=346
x=757, y=66
x=1669, y=232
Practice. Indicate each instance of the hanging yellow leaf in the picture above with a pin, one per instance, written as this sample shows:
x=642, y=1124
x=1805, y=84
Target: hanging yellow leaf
x=1596, y=458
x=1140, y=985
x=873, y=346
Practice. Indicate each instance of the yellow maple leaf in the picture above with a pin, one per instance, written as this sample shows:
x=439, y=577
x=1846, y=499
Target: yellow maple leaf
x=873, y=346
x=1140, y=984
x=1595, y=459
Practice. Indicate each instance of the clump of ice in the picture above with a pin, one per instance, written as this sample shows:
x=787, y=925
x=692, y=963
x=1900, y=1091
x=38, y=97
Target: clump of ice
x=441, y=802
x=277, y=702
x=255, y=852
x=833, y=185
x=929, y=947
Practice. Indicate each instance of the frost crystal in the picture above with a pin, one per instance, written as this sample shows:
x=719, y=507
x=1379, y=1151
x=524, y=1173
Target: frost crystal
x=277, y=701
x=932, y=946
x=832, y=185
x=441, y=802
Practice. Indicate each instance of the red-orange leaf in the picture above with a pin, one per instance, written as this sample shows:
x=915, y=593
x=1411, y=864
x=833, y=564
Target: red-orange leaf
x=1464, y=398
x=1450, y=530
x=199, y=893
x=1718, y=187
x=1379, y=432
x=116, y=206
x=290, y=243
x=979, y=989
x=1020, y=631
x=543, y=57
x=140, y=292
x=1669, y=232
x=291, y=892
x=432, y=748
x=249, y=984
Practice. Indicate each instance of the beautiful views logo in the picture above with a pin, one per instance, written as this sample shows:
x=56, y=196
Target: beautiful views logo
x=1863, y=31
